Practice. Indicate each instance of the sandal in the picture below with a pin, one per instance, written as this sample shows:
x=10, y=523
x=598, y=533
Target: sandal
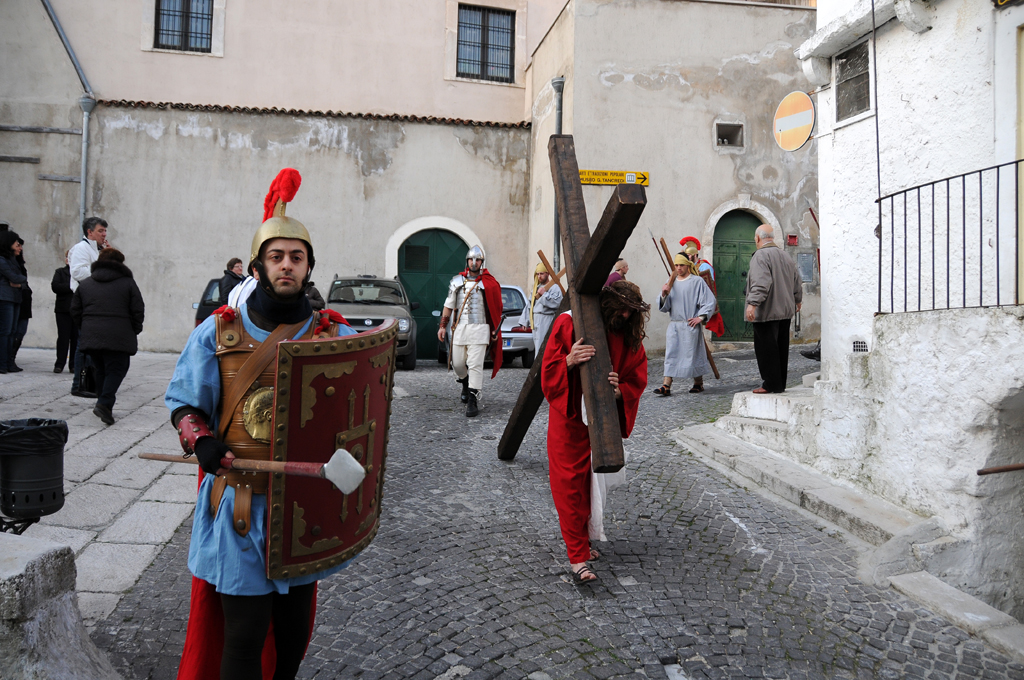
x=584, y=575
x=696, y=389
x=760, y=390
x=663, y=391
x=594, y=555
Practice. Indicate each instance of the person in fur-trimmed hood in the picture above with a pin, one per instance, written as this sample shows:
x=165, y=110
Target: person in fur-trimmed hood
x=109, y=311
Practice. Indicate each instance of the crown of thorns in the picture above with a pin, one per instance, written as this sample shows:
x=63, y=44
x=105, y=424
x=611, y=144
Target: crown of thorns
x=628, y=301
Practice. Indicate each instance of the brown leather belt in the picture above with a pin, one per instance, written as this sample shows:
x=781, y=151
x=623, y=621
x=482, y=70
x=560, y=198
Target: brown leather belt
x=245, y=484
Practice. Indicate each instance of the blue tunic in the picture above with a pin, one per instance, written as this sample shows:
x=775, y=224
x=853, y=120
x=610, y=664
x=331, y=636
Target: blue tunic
x=235, y=565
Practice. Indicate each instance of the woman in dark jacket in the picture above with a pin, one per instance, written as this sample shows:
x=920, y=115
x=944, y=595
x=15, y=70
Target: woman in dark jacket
x=25, y=313
x=11, y=281
x=233, y=275
x=108, y=309
x=67, y=332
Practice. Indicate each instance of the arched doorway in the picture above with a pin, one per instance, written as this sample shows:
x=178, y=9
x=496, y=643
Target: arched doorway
x=733, y=246
x=427, y=260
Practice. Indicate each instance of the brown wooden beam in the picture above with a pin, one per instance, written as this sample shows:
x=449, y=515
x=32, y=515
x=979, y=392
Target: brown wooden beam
x=598, y=395
x=529, y=402
x=620, y=217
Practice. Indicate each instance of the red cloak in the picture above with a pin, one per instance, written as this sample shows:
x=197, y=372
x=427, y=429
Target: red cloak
x=492, y=300
x=569, y=467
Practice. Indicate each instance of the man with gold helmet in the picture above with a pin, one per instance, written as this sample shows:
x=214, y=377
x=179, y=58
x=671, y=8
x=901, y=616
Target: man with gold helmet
x=474, y=298
x=689, y=303
x=215, y=405
x=540, y=311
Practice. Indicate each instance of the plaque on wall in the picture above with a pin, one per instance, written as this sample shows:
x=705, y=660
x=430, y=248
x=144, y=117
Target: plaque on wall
x=805, y=263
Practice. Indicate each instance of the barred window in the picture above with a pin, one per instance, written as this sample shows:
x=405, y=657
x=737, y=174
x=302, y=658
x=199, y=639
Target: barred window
x=486, y=44
x=185, y=25
x=853, y=82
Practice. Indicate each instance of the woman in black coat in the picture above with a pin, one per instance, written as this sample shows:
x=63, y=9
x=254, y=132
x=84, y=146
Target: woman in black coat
x=109, y=311
x=67, y=333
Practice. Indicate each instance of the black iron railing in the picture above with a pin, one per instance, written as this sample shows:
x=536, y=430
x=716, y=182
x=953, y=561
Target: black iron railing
x=952, y=243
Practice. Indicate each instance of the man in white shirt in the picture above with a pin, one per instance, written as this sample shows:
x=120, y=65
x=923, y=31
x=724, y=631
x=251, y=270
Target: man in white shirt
x=80, y=258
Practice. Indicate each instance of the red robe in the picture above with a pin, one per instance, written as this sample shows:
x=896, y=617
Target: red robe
x=492, y=301
x=569, y=467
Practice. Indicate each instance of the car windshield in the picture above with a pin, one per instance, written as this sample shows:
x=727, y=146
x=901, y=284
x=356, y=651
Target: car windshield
x=366, y=292
x=511, y=301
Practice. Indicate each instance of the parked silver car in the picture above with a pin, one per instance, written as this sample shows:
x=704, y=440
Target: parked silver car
x=366, y=300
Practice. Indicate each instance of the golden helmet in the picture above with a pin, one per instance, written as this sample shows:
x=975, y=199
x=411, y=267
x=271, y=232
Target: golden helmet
x=276, y=224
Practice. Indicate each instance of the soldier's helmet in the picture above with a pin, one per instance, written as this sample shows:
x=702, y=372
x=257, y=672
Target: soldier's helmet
x=476, y=253
x=276, y=224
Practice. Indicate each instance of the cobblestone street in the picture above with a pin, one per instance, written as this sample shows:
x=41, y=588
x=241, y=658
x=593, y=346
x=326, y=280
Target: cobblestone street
x=468, y=577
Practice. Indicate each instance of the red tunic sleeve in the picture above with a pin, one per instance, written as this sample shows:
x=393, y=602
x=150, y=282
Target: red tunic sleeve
x=632, y=369
x=561, y=388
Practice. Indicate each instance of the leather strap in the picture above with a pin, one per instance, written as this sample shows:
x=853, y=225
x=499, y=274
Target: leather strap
x=251, y=370
x=243, y=505
x=216, y=493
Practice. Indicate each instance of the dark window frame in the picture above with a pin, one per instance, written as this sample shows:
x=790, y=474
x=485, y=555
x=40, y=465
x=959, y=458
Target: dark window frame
x=463, y=65
x=853, y=82
x=194, y=32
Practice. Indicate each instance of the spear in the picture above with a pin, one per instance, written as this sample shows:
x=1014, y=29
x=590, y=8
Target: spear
x=668, y=270
x=342, y=469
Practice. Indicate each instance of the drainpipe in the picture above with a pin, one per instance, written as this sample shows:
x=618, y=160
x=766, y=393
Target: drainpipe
x=87, y=103
x=557, y=84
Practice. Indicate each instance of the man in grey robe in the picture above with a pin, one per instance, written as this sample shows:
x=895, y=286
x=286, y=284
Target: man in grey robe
x=689, y=303
x=542, y=307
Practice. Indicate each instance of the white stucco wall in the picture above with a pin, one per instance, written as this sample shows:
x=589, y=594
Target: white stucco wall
x=649, y=79
x=183, y=192
x=934, y=122
x=913, y=420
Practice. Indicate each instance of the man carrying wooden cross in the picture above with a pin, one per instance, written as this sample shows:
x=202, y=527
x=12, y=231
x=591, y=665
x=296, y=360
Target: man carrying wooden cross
x=624, y=314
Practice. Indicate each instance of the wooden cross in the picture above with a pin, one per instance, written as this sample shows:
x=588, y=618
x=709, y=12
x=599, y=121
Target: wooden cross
x=588, y=259
x=554, y=277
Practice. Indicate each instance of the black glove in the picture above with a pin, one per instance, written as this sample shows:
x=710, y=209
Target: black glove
x=209, y=451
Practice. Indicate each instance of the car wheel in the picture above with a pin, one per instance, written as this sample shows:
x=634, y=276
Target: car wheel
x=528, y=358
x=409, y=360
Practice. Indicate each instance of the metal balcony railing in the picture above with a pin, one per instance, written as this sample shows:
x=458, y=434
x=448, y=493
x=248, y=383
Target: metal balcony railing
x=952, y=243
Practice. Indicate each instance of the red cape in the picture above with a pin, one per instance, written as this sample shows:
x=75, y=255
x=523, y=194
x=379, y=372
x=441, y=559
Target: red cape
x=492, y=300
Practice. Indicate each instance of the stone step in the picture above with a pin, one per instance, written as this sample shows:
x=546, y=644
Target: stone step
x=783, y=408
x=870, y=519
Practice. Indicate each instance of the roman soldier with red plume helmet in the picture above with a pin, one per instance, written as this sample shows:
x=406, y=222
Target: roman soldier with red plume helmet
x=220, y=396
x=691, y=248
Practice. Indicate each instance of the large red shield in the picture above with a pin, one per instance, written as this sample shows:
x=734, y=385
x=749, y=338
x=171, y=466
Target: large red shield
x=330, y=394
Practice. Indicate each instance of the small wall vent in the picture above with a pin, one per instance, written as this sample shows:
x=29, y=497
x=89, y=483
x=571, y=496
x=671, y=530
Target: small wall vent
x=729, y=134
x=860, y=346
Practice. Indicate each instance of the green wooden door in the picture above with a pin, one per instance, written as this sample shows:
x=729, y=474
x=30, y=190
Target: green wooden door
x=734, y=244
x=427, y=261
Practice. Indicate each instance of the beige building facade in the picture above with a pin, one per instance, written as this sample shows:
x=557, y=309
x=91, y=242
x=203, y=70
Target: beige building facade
x=395, y=143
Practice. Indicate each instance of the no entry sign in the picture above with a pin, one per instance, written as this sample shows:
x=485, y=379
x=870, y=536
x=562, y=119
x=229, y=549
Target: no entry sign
x=794, y=120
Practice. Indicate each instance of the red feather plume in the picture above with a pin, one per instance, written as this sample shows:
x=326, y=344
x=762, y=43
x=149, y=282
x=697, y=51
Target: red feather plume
x=688, y=239
x=284, y=188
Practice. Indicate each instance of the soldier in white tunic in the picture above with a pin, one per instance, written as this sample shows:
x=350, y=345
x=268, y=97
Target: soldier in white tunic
x=474, y=297
x=689, y=303
x=542, y=308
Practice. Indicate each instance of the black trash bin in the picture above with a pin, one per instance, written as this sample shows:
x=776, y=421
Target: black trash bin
x=32, y=467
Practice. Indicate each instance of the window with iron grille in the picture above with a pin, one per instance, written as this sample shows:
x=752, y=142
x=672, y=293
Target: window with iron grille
x=486, y=44
x=185, y=25
x=853, y=82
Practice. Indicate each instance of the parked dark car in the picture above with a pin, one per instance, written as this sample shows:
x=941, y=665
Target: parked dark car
x=366, y=300
x=208, y=301
x=515, y=343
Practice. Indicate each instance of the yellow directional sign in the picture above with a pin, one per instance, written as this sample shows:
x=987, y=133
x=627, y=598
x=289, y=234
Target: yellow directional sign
x=614, y=177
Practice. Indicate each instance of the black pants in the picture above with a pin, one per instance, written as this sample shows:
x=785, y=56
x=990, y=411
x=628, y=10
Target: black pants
x=111, y=368
x=67, y=338
x=246, y=620
x=771, y=347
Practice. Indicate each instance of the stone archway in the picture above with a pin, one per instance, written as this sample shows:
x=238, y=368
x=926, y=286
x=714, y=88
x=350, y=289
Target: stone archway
x=741, y=202
x=421, y=224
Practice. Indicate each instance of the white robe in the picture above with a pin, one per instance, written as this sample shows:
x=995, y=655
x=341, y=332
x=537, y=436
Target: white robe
x=685, y=356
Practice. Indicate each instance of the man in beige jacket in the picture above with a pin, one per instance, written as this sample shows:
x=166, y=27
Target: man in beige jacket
x=774, y=293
